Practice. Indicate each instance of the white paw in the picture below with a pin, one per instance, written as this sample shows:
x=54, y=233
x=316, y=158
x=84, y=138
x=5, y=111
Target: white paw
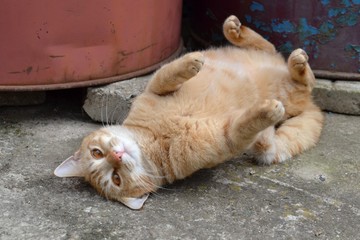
x=269, y=158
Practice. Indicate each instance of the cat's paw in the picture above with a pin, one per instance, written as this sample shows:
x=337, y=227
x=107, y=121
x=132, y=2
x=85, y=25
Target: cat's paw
x=273, y=110
x=232, y=26
x=191, y=64
x=298, y=60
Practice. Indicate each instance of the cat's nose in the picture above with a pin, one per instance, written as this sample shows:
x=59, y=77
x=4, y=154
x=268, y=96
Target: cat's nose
x=118, y=154
x=115, y=158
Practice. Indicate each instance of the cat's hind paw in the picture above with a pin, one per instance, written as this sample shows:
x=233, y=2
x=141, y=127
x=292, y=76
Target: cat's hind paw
x=232, y=26
x=298, y=60
x=269, y=158
x=299, y=68
x=266, y=152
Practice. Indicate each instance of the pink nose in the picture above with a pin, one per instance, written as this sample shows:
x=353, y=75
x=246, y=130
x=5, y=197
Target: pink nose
x=115, y=158
x=118, y=154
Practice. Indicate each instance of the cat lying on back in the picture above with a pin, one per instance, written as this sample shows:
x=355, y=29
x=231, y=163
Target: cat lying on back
x=201, y=110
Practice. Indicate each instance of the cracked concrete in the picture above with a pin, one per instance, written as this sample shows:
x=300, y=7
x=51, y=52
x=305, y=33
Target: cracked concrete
x=313, y=196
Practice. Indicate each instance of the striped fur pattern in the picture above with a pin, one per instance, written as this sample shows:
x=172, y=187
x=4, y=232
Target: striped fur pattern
x=201, y=110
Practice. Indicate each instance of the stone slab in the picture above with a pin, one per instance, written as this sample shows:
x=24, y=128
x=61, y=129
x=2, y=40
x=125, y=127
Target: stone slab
x=111, y=103
x=338, y=96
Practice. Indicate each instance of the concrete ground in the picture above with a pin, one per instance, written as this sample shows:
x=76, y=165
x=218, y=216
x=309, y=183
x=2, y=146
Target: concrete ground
x=313, y=196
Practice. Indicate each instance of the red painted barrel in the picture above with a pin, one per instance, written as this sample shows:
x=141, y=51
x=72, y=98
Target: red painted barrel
x=62, y=44
x=329, y=31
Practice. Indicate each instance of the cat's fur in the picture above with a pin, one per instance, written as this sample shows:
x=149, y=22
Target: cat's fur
x=201, y=110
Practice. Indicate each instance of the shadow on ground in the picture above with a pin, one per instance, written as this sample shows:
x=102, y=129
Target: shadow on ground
x=313, y=196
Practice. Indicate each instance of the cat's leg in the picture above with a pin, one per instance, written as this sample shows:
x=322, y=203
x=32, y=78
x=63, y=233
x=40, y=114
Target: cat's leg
x=294, y=136
x=242, y=36
x=300, y=70
x=170, y=77
x=208, y=142
x=242, y=130
x=297, y=133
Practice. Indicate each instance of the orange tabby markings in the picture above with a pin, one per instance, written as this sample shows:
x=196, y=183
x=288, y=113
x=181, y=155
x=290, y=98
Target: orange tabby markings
x=199, y=111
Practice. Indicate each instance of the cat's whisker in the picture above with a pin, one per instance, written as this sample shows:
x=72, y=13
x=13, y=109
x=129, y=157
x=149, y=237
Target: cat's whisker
x=113, y=114
x=122, y=116
x=106, y=110
x=102, y=111
x=97, y=180
x=147, y=185
x=152, y=184
x=152, y=174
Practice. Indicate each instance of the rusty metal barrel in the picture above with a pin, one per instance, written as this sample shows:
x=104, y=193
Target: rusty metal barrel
x=64, y=44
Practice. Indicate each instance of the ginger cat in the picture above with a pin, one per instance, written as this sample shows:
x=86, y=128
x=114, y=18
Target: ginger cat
x=199, y=111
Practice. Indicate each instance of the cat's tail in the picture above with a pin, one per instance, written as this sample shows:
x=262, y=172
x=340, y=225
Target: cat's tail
x=294, y=136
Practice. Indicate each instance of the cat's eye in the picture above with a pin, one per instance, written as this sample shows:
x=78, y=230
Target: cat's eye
x=116, y=179
x=96, y=153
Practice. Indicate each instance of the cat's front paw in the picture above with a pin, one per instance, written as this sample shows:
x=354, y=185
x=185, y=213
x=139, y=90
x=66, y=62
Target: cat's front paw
x=191, y=64
x=232, y=26
x=298, y=60
x=273, y=110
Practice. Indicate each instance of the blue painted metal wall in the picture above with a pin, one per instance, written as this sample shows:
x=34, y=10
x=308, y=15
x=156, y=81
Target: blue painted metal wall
x=328, y=30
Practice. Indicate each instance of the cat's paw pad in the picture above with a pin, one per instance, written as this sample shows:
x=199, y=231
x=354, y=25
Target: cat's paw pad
x=273, y=110
x=232, y=26
x=298, y=60
x=192, y=64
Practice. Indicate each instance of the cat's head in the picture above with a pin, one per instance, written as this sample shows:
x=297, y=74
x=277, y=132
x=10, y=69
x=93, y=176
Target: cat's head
x=111, y=161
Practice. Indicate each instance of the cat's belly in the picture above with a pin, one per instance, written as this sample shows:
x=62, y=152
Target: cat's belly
x=215, y=91
x=226, y=83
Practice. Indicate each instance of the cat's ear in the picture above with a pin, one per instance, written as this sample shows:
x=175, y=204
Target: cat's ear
x=71, y=167
x=134, y=203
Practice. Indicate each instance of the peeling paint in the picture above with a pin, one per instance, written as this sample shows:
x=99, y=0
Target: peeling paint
x=311, y=33
x=248, y=18
x=350, y=19
x=286, y=47
x=283, y=26
x=334, y=12
x=255, y=6
x=353, y=51
x=347, y=3
x=328, y=32
x=323, y=29
x=306, y=30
